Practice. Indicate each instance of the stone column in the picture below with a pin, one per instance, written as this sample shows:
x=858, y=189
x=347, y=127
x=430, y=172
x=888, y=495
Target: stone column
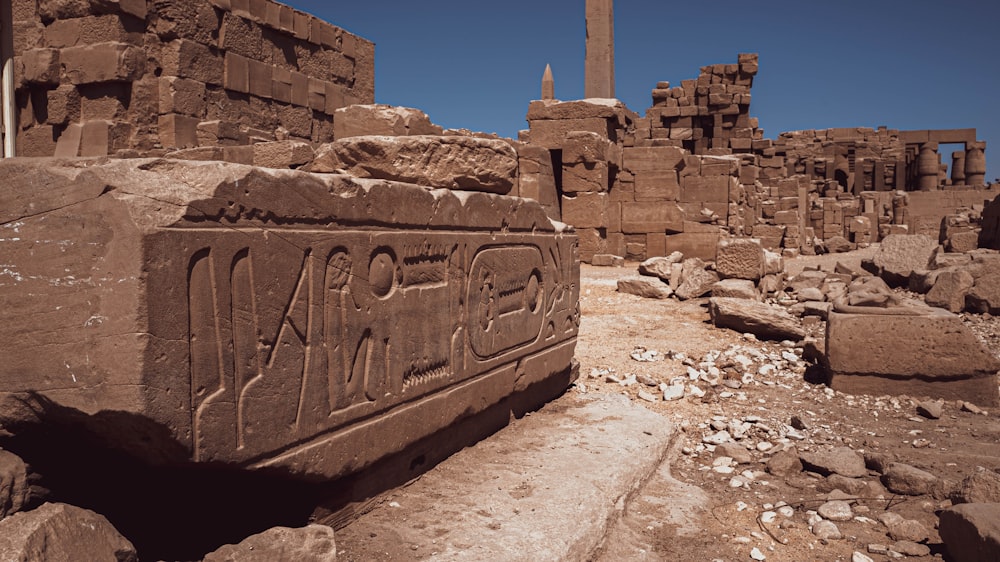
x=600, y=65
x=928, y=167
x=958, y=168
x=975, y=165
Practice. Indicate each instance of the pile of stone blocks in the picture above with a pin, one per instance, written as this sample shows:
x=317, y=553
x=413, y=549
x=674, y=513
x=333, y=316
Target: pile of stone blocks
x=710, y=112
x=266, y=318
x=96, y=78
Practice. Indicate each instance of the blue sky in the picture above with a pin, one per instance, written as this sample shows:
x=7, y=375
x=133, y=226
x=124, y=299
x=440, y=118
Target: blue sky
x=905, y=64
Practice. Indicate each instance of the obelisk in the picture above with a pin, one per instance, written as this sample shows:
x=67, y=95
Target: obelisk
x=548, y=84
x=600, y=67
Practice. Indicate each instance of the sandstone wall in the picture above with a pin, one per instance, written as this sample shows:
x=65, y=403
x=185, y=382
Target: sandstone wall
x=98, y=77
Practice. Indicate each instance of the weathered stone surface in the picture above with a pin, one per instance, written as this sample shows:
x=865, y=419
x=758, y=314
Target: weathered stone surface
x=762, y=320
x=900, y=254
x=646, y=287
x=14, y=489
x=784, y=463
x=985, y=295
x=379, y=119
x=696, y=281
x=58, y=531
x=736, y=288
x=839, y=460
x=269, y=317
x=314, y=543
x=740, y=258
x=282, y=154
x=660, y=266
x=931, y=354
x=466, y=163
x=908, y=480
x=950, y=289
x=982, y=486
x=971, y=532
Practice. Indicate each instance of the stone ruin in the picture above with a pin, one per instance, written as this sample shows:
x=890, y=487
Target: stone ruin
x=224, y=257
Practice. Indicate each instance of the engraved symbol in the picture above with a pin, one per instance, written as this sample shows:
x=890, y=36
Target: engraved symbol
x=382, y=273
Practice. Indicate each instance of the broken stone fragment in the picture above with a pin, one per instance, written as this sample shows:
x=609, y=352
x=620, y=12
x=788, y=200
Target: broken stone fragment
x=900, y=254
x=904, y=479
x=379, y=119
x=660, y=266
x=461, y=163
x=736, y=288
x=58, y=531
x=650, y=288
x=971, y=532
x=762, y=320
x=696, y=281
x=314, y=543
x=14, y=489
x=950, y=290
x=740, y=258
x=840, y=460
x=982, y=486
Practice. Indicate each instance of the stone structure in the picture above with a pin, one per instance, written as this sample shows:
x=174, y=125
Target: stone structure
x=274, y=318
x=548, y=84
x=600, y=66
x=697, y=167
x=97, y=78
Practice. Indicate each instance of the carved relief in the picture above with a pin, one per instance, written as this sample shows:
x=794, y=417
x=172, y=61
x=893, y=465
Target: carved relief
x=287, y=346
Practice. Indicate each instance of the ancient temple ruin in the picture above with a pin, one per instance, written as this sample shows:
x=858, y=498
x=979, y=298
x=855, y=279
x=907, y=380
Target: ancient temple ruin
x=696, y=166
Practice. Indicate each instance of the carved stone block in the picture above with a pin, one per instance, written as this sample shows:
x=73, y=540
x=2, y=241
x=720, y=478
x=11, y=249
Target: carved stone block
x=310, y=322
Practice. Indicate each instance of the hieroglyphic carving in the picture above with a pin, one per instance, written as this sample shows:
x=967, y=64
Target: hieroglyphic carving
x=287, y=346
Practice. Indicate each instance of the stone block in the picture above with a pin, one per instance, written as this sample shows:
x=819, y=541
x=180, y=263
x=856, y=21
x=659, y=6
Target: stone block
x=57, y=531
x=41, y=66
x=584, y=147
x=928, y=352
x=950, y=289
x=89, y=30
x=586, y=210
x=551, y=134
x=384, y=120
x=448, y=162
x=651, y=217
x=282, y=154
x=701, y=245
x=63, y=104
x=900, y=254
x=760, y=319
x=261, y=79
x=39, y=140
x=188, y=59
x=178, y=131
x=657, y=185
x=102, y=62
x=705, y=189
x=971, y=532
x=740, y=258
x=652, y=159
x=592, y=177
x=180, y=95
x=536, y=179
x=253, y=339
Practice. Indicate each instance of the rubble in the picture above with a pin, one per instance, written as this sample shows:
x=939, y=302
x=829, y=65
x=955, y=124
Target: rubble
x=314, y=543
x=56, y=531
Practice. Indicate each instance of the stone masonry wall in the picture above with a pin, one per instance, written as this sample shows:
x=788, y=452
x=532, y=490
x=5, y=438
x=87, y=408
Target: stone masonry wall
x=99, y=77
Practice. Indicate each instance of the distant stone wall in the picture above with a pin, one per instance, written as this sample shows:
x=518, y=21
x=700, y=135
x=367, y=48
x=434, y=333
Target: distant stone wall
x=99, y=77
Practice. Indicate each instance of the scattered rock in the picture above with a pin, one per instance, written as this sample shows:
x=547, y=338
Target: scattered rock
x=810, y=294
x=827, y=530
x=908, y=530
x=878, y=462
x=58, y=531
x=836, y=511
x=784, y=463
x=910, y=548
x=861, y=557
x=673, y=392
x=840, y=460
x=735, y=451
x=971, y=531
x=314, y=543
x=607, y=260
x=762, y=320
x=853, y=486
x=908, y=480
x=982, y=486
x=646, y=287
x=931, y=409
x=660, y=266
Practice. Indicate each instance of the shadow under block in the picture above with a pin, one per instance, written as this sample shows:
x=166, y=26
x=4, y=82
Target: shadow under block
x=313, y=323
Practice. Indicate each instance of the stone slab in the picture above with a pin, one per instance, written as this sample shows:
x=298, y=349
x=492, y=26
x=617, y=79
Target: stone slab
x=933, y=354
x=258, y=317
x=545, y=488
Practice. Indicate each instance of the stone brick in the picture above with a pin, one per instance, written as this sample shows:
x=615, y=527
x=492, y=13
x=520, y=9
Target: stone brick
x=188, y=59
x=281, y=89
x=585, y=177
x=41, y=66
x=39, y=140
x=656, y=185
x=651, y=217
x=336, y=97
x=178, y=131
x=551, y=134
x=261, y=77
x=740, y=258
x=103, y=62
x=180, y=95
x=654, y=159
x=710, y=189
x=91, y=29
x=586, y=210
x=236, y=76
x=63, y=104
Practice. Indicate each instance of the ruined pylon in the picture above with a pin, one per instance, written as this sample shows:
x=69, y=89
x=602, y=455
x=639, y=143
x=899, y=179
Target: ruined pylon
x=600, y=66
x=548, y=84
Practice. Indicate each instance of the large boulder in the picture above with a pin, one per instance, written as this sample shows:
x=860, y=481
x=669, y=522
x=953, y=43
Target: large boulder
x=762, y=320
x=900, y=254
x=971, y=532
x=740, y=258
x=314, y=543
x=982, y=486
x=454, y=162
x=58, y=532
